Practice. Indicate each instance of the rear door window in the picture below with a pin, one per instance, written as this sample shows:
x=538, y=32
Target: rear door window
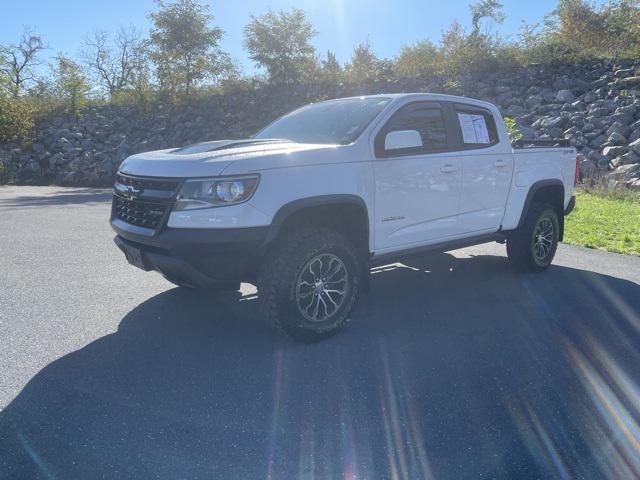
x=477, y=127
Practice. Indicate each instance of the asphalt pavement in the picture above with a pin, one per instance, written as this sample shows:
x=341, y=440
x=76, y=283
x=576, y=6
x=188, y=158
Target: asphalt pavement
x=453, y=367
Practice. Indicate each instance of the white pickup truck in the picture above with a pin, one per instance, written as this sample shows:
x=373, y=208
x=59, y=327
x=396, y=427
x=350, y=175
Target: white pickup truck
x=305, y=207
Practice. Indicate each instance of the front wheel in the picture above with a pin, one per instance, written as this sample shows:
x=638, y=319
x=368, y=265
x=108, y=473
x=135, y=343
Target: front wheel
x=310, y=284
x=533, y=245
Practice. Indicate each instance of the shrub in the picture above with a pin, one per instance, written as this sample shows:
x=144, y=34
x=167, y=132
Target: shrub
x=4, y=173
x=464, y=53
x=70, y=83
x=418, y=60
x=17, y=119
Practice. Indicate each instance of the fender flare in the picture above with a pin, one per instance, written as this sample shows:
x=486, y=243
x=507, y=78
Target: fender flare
x=535, y=187
x=290, y=208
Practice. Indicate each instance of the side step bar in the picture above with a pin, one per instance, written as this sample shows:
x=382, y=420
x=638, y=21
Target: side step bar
x=384, y=258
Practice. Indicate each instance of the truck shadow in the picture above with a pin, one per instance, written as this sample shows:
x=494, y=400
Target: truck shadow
x=451, y=368
x=66, y=196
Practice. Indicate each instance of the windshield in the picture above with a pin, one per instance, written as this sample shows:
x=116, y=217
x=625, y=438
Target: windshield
x=332, y=122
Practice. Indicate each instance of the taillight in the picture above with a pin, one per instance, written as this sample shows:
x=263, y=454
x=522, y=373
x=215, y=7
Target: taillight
x=576, y=177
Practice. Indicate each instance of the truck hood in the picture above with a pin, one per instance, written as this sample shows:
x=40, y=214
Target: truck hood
x=212, y=158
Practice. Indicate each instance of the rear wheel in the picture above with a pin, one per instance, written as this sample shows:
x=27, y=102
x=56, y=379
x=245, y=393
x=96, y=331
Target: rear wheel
x=533, y=245
x=310, y=284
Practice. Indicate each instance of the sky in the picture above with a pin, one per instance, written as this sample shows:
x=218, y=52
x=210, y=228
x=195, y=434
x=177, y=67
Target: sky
x=341, y=24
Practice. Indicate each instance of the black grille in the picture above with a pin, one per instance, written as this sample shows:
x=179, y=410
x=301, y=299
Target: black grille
x=148, y=183
x=138, y=212
x=142, y=201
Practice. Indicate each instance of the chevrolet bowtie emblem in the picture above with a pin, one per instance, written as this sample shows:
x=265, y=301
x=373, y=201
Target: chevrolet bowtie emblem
x=132, y=191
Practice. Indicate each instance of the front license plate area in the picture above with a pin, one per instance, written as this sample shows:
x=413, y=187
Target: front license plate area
x=134, y=257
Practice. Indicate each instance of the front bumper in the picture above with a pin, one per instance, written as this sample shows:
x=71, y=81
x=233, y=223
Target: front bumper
x=202, y=258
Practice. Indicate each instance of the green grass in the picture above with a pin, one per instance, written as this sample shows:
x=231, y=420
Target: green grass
x=605, y=219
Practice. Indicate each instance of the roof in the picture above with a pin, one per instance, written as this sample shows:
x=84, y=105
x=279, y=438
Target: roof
x=426, y=96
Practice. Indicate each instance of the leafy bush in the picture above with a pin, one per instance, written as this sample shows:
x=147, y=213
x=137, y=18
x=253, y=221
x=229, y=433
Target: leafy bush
x=17, y=119
x=365, y=66
x=70, y=83
x=4, y=173
x=418, y=60
x=512, y=129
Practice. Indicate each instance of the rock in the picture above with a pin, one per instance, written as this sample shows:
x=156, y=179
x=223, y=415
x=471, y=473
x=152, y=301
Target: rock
x=627, y=110
x=618, y=127
x=617, y=139
x=565, y=96
x=616, y=162
x=598, y=141
x=635, y=146
x=629, y=158
x=595, y=105
x=624, y=72
x=614, y=151
x=625, y=172
x=595, y=156
x=634, y=135
x=548, y=95
x=623, y=118
x=555, y=132
x=552, y=122
x=533, y=100
x=598, y=112
x=579, y=105
x=514, y=110
x=627, y=82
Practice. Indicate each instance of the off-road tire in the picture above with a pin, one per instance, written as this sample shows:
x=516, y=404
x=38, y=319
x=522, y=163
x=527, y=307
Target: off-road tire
x=279, y=277
x=521, y=244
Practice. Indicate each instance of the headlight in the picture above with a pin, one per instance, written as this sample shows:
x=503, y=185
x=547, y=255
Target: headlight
x=215, y=192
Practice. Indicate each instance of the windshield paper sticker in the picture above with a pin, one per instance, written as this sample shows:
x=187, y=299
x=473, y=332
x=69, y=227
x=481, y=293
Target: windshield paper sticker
x=474, y=128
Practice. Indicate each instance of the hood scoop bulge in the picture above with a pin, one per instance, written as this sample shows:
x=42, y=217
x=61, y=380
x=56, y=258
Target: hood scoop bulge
x=217, y=145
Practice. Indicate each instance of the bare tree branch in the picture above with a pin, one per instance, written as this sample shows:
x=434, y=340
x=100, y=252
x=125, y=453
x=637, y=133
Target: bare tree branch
x=114, y=63
x=17, y=61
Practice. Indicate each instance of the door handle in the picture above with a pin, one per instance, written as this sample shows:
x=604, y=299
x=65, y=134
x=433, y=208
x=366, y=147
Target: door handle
x=448, y=168
x=500, y=164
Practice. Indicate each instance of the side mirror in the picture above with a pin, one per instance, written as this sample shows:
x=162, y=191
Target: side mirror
x=401, y=139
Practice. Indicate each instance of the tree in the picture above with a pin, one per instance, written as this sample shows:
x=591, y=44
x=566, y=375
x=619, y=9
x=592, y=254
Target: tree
x=4, y=77
x=279, y=42
x=70, y=83
x=185, y=49
x=610, y=29
x=115, y=63
x=622, y=23
x=17, y=62
x=485, y=9
x=17, y=119
x=365, y=65
x=331, y=68
x=417, y=60
x=578, y=23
